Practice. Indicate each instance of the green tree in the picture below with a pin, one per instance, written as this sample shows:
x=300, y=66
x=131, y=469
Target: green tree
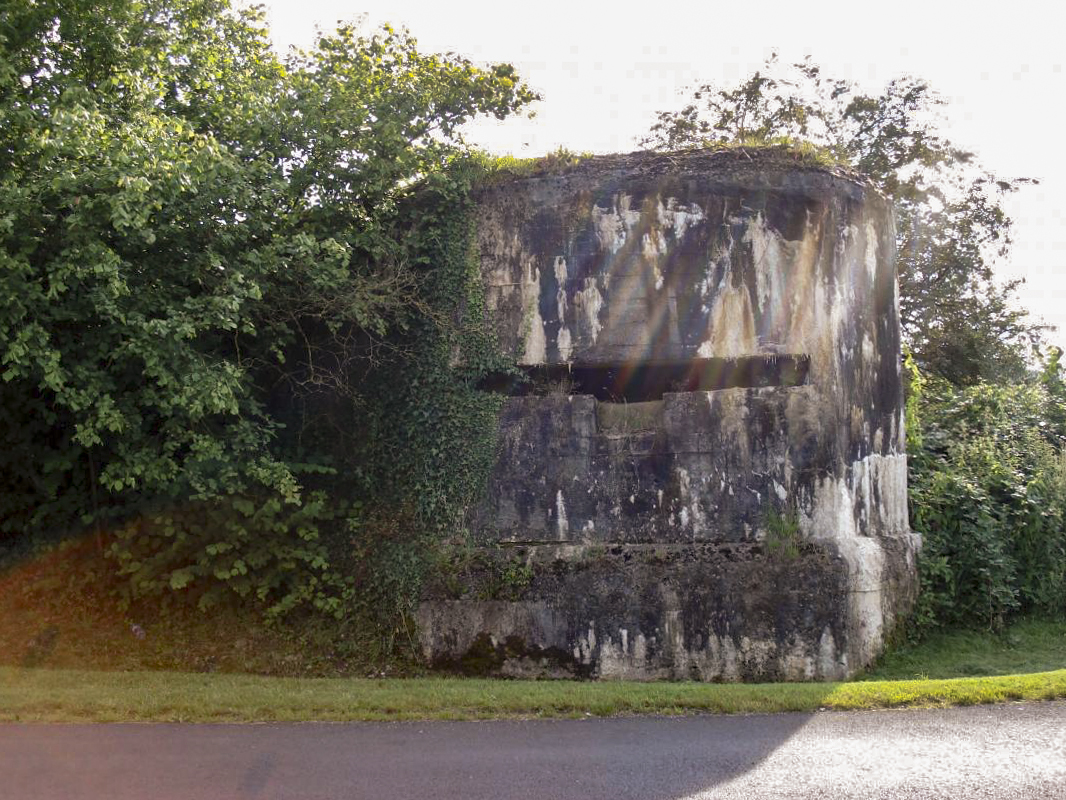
x=987, y=480
x=193, y=232
x=958, y=321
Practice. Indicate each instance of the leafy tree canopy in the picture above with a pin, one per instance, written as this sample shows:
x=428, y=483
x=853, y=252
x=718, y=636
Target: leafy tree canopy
x=951, y=226
x=190, y=224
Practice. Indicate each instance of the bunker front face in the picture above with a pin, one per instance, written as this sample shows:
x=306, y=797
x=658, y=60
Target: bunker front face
x=703, y=473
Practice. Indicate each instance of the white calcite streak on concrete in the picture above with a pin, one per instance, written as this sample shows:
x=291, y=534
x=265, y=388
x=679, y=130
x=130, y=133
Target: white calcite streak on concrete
x=535, y=342
x=589, y=302
x=562, y=525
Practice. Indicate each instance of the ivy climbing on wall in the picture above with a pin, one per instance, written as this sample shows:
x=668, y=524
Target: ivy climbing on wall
x=430, y=431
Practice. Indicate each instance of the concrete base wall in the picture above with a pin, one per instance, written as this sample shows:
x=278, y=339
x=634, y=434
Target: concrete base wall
x=674, y=612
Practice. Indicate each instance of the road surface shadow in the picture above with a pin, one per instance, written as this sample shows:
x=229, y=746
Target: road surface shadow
x=665, y=758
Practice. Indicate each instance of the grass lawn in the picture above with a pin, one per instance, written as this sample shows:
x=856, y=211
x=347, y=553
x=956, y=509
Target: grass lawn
x=43, y=695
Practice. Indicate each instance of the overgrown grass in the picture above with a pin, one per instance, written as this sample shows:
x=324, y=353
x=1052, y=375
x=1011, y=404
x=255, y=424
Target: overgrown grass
x=73, y=695
x=787, y=148
x=495, y=169
x=62, y=609
x=1029, y=645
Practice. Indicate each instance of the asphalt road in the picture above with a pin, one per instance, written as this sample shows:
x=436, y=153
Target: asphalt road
x=1008, y=751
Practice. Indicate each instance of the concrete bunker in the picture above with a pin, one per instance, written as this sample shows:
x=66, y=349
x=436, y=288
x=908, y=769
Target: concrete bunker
x=703, y=473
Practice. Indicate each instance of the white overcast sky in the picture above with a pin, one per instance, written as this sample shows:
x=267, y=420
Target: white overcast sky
x=604, y=69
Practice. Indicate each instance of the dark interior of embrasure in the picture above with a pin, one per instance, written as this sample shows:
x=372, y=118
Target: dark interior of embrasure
x=642, y=381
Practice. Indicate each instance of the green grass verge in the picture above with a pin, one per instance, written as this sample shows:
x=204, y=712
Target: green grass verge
x=1030, y=644
x=42, y=695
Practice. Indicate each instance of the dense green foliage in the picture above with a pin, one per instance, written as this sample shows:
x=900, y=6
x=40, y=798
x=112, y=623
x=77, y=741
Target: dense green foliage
x=988, y=493
x=203, y=267
x=428, y=434
x=951, y=226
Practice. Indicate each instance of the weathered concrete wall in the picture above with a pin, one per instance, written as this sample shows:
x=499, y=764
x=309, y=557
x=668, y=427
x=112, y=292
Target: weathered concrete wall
x=749, y=532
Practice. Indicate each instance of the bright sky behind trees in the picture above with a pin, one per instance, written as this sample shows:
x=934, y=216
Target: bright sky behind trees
x=604, y=69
